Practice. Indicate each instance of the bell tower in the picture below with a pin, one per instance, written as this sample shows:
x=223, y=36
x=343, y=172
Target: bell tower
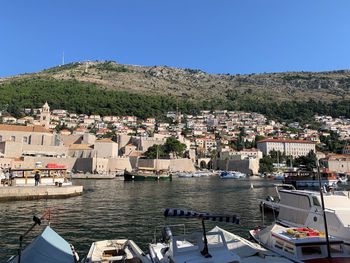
x=45, y=116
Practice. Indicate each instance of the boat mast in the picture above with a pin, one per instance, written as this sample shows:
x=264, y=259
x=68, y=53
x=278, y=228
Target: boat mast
x=157, y=158
x=323, y=210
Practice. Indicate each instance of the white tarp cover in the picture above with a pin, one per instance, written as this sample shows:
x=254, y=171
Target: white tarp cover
x=49, y=247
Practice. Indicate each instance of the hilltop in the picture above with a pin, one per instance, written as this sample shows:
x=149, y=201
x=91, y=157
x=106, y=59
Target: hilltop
x=252, y=92
x=196, y=84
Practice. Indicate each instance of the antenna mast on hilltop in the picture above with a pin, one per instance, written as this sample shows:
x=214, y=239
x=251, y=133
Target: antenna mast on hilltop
x=62, y=58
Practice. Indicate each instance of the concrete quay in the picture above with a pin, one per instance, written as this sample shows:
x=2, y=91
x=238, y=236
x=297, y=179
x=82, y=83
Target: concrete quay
x=10, y=193
x=93, y=176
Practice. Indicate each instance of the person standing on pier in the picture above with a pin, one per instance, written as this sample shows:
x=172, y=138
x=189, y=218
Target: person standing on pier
x=37, y=178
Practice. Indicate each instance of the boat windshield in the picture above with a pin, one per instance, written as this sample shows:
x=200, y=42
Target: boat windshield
x=315, y=201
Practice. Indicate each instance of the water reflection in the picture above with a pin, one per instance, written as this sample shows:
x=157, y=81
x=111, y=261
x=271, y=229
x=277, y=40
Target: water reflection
x=118, y=209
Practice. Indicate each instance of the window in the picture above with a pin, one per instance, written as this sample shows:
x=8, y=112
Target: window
x=336, y=248
x=25, y=139
x=315, y=201
x=311, y=250
x=13, y=138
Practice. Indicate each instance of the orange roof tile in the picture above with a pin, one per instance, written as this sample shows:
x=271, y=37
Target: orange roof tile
x=35, y=128
x=289, y=141
x=104, y=140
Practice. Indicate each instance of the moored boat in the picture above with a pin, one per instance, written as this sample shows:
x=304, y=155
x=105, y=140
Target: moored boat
x=299, y=208
x=232, y=175
x=147, y=175
x=198, y=247
x=117, y=251
x=300, y=244
x=47, y=247
x=306, y=179
x=189, y=248
x=248, y=251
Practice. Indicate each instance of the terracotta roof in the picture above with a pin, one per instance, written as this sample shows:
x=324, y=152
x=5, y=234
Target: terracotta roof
x=35, y=128
x=289, y=141
x=338, y=157
x=77, y=146
x=104, y=140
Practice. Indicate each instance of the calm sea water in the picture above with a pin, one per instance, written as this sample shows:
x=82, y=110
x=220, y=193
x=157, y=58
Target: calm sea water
x=111, y=209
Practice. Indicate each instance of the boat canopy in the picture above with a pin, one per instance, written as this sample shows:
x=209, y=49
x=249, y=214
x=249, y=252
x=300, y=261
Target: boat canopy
x=48, y=247
x=175, y=212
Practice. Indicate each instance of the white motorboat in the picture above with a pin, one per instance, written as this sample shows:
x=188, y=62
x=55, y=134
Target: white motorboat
x=194, y=174
x=271, y=203
x=278, y=176
x=342, y=179
x=194, y=247
x=301, y=244
x=249, y=252
x=232, y=175
x=116, y=251
x=191, y=248
x=301, y=208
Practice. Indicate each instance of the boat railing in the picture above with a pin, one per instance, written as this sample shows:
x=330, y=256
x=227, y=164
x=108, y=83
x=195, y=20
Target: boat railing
x=157, y=228
x=316, y=212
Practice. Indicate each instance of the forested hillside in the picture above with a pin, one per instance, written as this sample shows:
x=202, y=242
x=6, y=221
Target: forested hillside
x=108, y=88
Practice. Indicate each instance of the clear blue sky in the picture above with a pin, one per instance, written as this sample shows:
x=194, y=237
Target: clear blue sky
x=217, y=36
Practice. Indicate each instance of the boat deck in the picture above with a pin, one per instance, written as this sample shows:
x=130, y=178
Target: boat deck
x=302, y=236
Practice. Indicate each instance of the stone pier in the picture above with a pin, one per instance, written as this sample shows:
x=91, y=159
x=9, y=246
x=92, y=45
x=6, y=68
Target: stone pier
x=9, y=193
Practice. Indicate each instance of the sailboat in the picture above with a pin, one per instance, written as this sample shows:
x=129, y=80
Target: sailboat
x=148, y=173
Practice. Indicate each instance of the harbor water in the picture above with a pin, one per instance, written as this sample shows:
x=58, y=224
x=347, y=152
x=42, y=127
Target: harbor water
x=112, y=209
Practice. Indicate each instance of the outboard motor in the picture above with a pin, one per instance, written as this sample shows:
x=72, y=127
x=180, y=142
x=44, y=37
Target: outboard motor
x=166, y=234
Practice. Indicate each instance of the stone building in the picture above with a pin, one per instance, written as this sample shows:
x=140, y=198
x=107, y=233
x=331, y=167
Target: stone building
x=339, y=163
x=294, y=148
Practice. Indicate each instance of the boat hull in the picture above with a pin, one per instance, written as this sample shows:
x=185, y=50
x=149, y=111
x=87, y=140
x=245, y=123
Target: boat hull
x=128, y=176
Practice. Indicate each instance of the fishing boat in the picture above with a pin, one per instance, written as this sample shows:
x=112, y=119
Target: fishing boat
x=116, y=251
x=301, y=244
x=232, y=175
x=48, y=247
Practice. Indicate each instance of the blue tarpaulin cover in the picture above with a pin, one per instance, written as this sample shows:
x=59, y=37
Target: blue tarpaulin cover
x=48, y=247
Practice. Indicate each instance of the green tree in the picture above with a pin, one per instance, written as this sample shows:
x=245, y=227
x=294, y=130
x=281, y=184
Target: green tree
x=173, y=146
x=156, y=151
x=309, y=161
x=266, y=164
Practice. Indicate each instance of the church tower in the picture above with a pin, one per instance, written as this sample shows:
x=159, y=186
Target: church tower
x=45, y=116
